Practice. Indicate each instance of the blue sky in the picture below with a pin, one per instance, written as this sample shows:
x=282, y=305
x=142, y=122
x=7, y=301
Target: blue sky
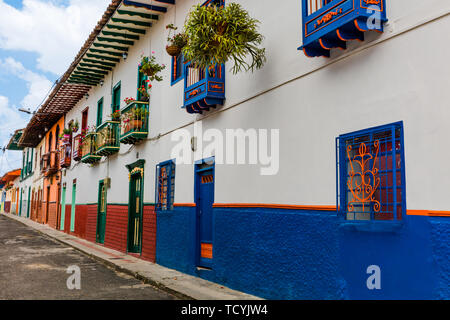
x=38, y=41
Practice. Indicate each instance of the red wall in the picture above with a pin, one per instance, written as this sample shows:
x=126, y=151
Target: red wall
x=52, y=214
x=67, y=216
x=91, y=223
x=149, y=234
x=116, y=227
x=7, y=207
x=80, y=221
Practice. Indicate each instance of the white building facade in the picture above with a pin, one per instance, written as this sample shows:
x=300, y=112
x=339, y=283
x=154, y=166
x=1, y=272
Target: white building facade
x=186, y=197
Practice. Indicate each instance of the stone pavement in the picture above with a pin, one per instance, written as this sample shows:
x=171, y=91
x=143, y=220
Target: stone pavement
x=171, y=281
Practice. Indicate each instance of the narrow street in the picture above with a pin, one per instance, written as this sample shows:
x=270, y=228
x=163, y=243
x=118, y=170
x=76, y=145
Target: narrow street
x=33, y=266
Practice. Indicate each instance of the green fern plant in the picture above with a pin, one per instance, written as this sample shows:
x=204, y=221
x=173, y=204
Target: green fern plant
x=220, y=34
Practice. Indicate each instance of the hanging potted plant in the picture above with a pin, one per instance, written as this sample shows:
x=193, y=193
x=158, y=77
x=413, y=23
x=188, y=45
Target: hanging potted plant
x=75, y=126
x=150, y=68
x=115, y=116
x=143, y=90
x=66, y=135
x=176, y=42
x=218, y=34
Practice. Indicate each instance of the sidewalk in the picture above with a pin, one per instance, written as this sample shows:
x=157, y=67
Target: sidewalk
x=180, y=284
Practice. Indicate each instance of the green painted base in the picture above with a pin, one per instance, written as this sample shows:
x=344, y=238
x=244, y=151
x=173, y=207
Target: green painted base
x=107, y=151
x=133, y=137
x=91, y=159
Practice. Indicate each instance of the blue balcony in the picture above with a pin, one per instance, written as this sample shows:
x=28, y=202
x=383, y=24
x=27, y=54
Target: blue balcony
x=203, y=89
x=330, y=24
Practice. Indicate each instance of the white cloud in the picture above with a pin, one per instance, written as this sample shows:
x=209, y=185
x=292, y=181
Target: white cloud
x=38, y=85
x=11, y=121
x=54, y=31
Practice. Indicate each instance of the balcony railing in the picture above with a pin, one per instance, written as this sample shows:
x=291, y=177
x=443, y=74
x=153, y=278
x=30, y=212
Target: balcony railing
x=65, y=154
x=203, y=89
x=77, y=151
x=89, y=148
x=50, y=163
x=329, y=24
x=316, y=5
x=134, y=122
x=108, y=138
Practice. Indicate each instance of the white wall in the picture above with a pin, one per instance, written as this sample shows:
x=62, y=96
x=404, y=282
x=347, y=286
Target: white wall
x=399, y=75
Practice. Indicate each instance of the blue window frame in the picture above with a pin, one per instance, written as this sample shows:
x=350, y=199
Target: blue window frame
x=177, y=73
x=370, y=174
x=165, y=185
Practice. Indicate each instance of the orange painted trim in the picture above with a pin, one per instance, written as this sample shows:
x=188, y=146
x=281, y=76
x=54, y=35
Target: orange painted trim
x=273, y=206
x=428, y=213
x=339, y=35
x=322, y=45
x=357, y=26
x=304, y=51
x=184, y=205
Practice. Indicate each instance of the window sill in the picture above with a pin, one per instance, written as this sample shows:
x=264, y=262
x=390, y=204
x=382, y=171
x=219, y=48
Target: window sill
x=372, y=226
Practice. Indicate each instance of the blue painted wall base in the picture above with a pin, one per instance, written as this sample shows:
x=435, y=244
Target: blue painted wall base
x=294, y=254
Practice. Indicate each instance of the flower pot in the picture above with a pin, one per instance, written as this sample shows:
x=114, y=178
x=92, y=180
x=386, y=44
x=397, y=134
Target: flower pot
x=144, y=98
x=148, y=71
x=173, y=50
x=136, y=124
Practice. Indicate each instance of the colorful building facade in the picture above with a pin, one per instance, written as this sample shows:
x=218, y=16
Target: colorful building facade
x=335, y=179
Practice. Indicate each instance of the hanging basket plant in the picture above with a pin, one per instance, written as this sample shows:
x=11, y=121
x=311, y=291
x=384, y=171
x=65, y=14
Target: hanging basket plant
x=150, y=68
x=144, y=91
x=75, y=126
x=176, y=42
x=220, y=34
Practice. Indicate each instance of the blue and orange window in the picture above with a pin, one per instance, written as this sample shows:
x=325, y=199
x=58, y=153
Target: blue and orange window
x=371, y=174
x=165, y=185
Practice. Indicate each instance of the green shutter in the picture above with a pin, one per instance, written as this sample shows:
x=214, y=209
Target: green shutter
x=141, y=81
x=63, y=208
x=72, y=215
x=99, y=112
x=116, y=98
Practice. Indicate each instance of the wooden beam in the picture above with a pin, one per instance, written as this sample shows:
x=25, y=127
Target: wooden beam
x=138, y=14
x=82, y=82
x=119, y=34
x=93, y=75
x=94, y=66
x=112, y=53
x=136, y=23
x=135, y=30
x=82, y=77
x=105, y=39
x=109, y=64
x=92, y=70
x=110, y=46
x=90, y=55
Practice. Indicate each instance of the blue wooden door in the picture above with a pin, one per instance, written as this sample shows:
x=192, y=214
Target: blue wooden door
x=205, y=200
